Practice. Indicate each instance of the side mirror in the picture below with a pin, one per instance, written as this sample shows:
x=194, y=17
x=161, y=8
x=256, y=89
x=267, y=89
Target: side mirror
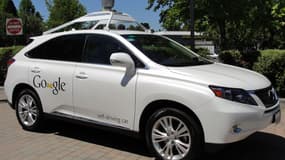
x=123, y=60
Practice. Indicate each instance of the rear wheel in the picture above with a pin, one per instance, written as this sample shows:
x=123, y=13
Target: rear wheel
x=173, y=135
x=28, y=110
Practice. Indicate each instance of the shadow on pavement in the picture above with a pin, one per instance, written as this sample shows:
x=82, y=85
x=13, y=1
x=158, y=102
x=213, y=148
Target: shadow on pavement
x=261, y=146
x=97, y=136
x=3, y=101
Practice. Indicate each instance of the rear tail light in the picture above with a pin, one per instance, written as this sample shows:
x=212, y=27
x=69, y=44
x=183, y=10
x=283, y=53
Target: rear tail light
x=10, y=62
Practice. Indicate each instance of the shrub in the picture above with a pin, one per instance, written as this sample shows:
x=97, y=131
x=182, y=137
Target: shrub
x=281, y=85
x=5, y=54
x=232, y=57
x=244, y=59
x=15, y=49
x=3, y=65
x=249, y=57
x=272, y=65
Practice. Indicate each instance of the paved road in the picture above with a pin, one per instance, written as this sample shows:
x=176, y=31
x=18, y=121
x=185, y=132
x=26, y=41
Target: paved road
x=2, y=94
x=64, y=141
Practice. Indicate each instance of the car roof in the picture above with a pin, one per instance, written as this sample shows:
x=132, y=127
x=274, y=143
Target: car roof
x=100, y=16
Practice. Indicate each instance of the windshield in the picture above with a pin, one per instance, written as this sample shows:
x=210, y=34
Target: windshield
x=164, y=51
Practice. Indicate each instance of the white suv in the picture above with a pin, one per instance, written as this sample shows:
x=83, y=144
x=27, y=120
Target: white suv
x=139, y=83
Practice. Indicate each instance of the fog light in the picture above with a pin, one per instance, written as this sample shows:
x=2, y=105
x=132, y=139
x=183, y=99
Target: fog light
x=236, y=129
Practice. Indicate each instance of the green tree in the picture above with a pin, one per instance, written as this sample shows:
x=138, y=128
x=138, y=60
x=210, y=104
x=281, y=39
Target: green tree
x=8, y=7
x=278, y=13
x=173, y=13
x=239, y=24
x=32, y=20
x=7, y=10
x=62, y=11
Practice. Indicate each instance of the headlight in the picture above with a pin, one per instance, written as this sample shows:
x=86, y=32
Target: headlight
x=233, y=94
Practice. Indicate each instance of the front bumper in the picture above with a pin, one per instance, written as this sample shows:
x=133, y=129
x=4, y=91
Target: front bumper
x=226, y=122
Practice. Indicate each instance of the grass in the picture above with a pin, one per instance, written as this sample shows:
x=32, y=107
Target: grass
x=272, y=52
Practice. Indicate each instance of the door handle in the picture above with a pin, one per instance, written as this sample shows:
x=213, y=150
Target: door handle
x=82, y=75
x=36, y=70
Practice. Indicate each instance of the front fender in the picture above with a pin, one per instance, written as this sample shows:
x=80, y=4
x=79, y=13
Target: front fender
x=152, y=88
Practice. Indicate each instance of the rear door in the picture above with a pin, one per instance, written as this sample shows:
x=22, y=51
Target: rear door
x=51, y=72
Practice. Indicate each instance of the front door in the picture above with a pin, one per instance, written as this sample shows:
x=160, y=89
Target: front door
x=99, y=94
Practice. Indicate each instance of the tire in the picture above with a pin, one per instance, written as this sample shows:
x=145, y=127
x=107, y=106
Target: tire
x=29, y=110
x=174, y=135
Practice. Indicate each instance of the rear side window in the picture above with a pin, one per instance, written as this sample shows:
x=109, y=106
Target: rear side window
x=65, y=48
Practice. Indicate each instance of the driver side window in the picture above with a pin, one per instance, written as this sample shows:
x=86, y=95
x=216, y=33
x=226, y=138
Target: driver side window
x=99, y=49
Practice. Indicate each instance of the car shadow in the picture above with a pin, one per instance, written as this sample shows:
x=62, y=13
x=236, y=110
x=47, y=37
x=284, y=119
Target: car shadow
x=3, y=101
x=96, y=136
x=261, y=146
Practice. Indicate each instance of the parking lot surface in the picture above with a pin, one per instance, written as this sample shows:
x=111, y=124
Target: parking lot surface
x=66, y=141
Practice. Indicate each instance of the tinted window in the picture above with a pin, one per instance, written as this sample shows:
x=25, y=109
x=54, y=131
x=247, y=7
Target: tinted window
x=65, y=48
x=99, y=49
x=164, y=51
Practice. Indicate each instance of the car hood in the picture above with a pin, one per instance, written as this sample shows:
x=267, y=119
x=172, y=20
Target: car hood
x=223, y=75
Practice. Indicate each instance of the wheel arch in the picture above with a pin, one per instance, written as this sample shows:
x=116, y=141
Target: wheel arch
x=159, y=104
x=18, y=89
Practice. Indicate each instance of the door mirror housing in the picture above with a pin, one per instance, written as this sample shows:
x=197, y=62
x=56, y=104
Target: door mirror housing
x=123, y=60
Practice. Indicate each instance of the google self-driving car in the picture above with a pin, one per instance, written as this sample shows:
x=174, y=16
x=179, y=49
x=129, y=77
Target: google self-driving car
x=139, y=83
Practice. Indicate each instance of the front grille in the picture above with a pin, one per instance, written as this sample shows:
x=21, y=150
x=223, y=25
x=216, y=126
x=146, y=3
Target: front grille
x=267, y=96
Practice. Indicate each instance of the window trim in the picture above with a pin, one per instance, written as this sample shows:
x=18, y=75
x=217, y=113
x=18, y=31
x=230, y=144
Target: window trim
x=131, y=53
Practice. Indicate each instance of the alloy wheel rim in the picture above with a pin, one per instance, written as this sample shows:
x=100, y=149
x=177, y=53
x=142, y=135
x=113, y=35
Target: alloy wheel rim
x=171, y=138
x=28, y=110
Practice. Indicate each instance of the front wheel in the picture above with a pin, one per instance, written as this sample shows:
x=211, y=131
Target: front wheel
x=28, y=110
x=174, y=135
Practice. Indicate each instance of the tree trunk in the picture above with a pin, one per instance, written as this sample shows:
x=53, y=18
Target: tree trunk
x=271, y=39
x=223, y=39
